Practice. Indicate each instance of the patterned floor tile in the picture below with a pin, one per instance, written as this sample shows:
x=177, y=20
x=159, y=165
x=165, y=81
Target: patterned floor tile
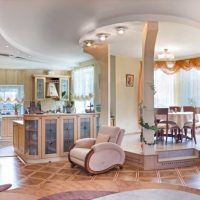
x=171, y=180
x=59, y=177
x=127, y=176
x=81, y=178
x=147, y=174
x=67, y=171
x=168, y=173
x=146, y=179
x=41, y=175
x=31, y=181
x=33, y=167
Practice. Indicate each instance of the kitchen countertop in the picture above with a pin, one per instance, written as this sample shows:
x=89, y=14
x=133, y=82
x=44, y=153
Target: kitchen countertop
x=20, y=122
x=59, y=114
x=10, y=116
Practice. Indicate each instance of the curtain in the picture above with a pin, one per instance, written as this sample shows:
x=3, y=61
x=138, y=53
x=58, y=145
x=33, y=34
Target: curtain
x=171, y=67
x=181, y=88
x=83, y=87
x=165, y=87
x=189, y=83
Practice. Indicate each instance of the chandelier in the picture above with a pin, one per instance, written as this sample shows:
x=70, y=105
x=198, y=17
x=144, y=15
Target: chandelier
x=166, y=55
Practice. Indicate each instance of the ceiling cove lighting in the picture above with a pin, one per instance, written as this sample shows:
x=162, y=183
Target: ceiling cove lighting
x=166, y=55
x=121, y=30
x=102, y=36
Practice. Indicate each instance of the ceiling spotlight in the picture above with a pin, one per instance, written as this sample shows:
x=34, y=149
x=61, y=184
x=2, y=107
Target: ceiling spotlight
x=6, y=46
x=102, y=36
x=121, y=30
x=88, y=43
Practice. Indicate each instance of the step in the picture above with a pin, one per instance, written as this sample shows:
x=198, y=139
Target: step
x=178, y=158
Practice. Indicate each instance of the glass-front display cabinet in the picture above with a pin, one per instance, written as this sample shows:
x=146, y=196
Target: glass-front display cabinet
x=68, y=133
x=32, y=128
x=50, y=146
x=40, y=88
x=64, y=89
x=85, y=126
x=97, y=124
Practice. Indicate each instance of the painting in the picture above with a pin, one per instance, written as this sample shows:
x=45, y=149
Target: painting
x=129, y=80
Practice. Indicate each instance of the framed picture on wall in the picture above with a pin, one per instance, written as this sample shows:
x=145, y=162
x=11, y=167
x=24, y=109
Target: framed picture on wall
x=129, y=80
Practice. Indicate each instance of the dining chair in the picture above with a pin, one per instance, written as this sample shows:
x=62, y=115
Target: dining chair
x=175, y=108
x=191, y=124
x=164, y=125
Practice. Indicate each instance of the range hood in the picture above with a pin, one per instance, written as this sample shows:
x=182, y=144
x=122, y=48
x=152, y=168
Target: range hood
x=51, y=90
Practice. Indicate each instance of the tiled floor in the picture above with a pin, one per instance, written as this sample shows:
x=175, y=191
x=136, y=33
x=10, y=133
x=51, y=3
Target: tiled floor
x=49, y=178
x=15, y=172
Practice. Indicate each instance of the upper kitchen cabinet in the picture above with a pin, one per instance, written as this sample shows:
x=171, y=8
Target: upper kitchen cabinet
x=48, y=86
x=39, y=83
x=64, y=88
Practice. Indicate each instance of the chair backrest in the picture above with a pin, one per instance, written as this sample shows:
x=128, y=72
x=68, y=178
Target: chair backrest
x=175, y=108
x=188, y=108
x=116, y=134
x=161, y=113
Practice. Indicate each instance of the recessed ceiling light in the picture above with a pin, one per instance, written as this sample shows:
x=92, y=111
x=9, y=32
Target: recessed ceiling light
x=88, y=43
x=6, y=46
x=102, y=36
x=121, y=29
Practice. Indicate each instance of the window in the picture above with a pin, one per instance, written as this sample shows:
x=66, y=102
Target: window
x=10, y=96
x=83, y=87
x=181, y=88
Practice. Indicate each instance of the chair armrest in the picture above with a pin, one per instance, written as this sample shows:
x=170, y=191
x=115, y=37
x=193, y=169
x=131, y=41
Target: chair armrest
x=107, y=146
x=85, y=143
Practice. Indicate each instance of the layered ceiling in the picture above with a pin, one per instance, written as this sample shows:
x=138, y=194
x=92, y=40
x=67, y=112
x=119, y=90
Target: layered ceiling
x=45, y=33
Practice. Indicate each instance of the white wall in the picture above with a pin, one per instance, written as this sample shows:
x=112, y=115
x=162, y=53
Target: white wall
x=126, y=97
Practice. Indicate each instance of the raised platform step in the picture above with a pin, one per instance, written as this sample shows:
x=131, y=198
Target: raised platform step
x=178, y=158
x=164, y=159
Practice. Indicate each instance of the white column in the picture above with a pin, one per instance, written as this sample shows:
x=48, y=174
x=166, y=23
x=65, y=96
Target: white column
x=149, y=38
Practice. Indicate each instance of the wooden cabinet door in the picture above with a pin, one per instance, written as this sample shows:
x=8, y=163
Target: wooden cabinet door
x=40, y=88
x=96, y=122
x=32, y=128
x=15, y=136
x=64, y=89
x=85, y=126
x=21, y=139
x=50, y=137
x=68, y=133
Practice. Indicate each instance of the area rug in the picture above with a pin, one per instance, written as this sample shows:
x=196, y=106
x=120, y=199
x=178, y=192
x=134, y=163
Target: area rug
x=5, y=187
x=77, y=195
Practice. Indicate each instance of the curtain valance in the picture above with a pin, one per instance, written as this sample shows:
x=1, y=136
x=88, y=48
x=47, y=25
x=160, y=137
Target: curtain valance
x=171, y=67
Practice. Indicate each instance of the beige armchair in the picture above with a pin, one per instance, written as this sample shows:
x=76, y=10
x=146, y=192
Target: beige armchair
x=99, y=157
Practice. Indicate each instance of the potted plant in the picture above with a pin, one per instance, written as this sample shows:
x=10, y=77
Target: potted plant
x=16, y=107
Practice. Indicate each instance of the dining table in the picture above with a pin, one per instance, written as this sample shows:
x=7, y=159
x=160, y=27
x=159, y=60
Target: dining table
x=180, y=118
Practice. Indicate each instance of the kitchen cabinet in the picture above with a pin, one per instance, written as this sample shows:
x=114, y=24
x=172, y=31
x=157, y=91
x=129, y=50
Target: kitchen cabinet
x=7, y=126
x=51, y=86
x=40, y=89
x=32, y=128
x=68, y=133
x=18, y=136
x=49, y=137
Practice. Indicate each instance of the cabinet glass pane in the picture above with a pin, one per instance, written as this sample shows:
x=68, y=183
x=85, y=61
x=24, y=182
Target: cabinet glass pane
x=40, y=88
x=68, y=134
x=50, y=136
x=85, y=127
x=31, y=137
x=64, y=88
x=97, y=124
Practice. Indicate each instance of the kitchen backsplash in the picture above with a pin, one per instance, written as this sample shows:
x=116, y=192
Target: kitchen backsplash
x=50, y=104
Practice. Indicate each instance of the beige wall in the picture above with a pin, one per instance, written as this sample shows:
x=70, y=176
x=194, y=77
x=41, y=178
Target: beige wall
x=23, y=77
x=126, y=102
